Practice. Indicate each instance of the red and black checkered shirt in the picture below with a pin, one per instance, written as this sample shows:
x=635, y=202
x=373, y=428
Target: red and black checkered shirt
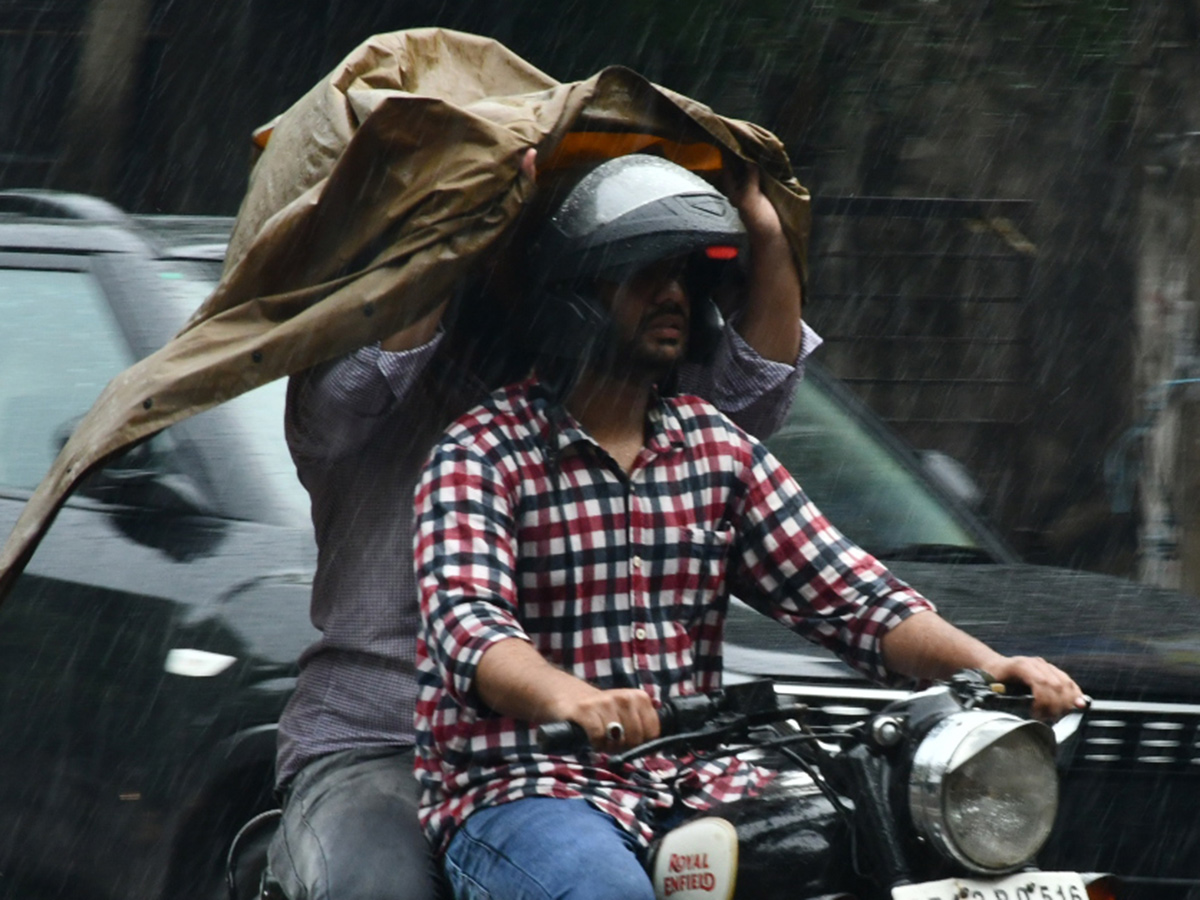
x=533, y=532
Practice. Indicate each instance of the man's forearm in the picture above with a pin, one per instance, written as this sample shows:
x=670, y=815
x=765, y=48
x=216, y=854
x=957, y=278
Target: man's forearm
x=770, y=319
x=926, y=646
x=513, y=679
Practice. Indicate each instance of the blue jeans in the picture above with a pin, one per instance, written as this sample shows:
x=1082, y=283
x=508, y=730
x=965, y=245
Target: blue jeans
x=543, y=848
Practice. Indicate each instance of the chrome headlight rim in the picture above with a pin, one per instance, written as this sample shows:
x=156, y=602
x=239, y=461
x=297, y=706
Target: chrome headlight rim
x=953, y=742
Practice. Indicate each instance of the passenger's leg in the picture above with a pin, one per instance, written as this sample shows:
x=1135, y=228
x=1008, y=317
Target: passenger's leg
x=349, y=832
x=545, y=849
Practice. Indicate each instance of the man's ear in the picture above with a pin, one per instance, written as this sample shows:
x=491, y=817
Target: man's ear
x=565, y=322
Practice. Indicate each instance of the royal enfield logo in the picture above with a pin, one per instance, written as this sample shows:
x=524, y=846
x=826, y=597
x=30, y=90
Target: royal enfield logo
x=690, y=872
x=697, y=861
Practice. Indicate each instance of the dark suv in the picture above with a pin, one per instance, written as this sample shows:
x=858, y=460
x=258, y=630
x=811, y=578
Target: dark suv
x=1132, y=766
x=148, y=649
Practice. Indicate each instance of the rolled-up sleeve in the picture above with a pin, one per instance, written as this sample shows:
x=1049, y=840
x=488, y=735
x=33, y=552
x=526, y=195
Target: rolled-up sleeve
x=756, y=393
x=465, y=564
x=793, y=565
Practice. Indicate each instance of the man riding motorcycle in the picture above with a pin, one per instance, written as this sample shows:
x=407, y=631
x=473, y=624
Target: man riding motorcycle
x=579, y=535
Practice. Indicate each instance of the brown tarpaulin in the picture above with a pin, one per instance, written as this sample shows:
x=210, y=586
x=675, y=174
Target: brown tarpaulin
x=374, y=194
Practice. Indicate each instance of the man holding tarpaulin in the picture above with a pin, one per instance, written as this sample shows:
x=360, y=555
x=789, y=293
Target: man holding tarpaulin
x=359, y=429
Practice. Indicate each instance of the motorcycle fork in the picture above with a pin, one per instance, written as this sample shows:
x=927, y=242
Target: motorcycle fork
x=876, y=823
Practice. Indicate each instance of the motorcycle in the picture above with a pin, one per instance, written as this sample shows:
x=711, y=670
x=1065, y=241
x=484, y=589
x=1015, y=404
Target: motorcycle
x=946, y=795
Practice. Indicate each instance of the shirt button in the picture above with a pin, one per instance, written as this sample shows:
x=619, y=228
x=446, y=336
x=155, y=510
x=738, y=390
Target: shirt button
x=639, y=633
x=637, y=562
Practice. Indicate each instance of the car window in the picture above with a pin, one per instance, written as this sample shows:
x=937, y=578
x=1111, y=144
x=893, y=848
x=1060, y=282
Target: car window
x=858, y=481
x=258, y=413
x=59, y=346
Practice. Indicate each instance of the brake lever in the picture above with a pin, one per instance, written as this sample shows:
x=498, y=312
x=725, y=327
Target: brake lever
x=712, y=734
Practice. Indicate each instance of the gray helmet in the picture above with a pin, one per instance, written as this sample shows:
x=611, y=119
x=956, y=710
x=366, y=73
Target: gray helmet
x=623, y=215
x=629, y=212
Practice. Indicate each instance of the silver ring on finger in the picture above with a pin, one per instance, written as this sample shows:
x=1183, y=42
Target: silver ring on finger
x=615, y=732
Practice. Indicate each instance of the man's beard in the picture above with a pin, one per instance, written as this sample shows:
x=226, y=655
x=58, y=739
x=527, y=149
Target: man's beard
x=637, y=358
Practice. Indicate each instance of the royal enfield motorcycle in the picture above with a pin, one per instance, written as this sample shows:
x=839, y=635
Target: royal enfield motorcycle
x=946, y=795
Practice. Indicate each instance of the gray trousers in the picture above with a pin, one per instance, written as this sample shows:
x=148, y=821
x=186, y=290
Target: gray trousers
x=349, y=831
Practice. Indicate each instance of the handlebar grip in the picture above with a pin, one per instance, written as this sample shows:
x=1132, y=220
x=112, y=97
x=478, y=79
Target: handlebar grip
x=1017, y=690
x=675, y=716
x=562, y=737
x=982, y=686
x=685, y=713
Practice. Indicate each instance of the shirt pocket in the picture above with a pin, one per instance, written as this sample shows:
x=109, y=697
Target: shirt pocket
x=702, y=557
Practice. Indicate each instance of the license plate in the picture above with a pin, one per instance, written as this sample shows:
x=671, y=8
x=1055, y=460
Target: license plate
x=1022, y=886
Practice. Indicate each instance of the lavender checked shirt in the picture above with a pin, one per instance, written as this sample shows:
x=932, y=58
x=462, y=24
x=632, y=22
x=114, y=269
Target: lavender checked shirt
x=360, y=430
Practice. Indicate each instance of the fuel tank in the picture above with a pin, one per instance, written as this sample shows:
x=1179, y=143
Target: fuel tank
x=792, y=843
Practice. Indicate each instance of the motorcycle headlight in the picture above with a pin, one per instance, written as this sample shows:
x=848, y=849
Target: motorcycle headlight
x=984, y=789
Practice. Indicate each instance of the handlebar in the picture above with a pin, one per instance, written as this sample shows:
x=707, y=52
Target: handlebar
x=707, y=720
x=976, y=688
x=563, y=737
x=695, y=716
x=680, y=714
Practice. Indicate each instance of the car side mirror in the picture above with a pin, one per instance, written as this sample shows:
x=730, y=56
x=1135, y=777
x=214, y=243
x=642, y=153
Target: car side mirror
x=146, y=488
x=138, y=478
x=952, y=477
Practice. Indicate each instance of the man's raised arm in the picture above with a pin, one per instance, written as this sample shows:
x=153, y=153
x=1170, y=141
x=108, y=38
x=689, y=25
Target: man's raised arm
x=769, y=320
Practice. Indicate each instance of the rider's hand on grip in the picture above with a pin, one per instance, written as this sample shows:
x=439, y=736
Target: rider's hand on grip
x=676, y=715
